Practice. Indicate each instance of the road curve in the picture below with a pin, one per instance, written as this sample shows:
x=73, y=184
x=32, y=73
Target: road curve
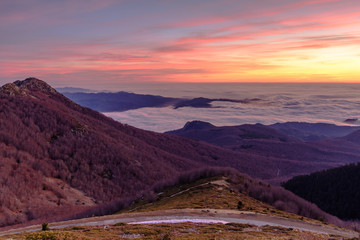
x=195, y=215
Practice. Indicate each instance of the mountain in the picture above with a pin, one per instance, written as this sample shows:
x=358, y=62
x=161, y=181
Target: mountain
x=297, y=157
x=313, y=131
x=74, y=90
x=229, y=136
x=123, y=101
x=204, y=204
x=117, y=102
x=68, y=158
x=334, y=190
x=353, y=137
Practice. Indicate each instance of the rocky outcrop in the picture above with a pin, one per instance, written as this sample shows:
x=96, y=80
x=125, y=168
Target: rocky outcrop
x=28, y=87
x=12, y=89
x=34, y=84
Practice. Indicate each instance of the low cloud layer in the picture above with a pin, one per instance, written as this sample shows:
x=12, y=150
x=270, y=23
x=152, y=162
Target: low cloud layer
x=326, y=103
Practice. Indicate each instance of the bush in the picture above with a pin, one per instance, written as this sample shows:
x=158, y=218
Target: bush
x=240, y=205
x=50, y=235
x=45, y=227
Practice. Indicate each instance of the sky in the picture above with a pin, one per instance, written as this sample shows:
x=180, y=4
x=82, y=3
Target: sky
x=93, y=43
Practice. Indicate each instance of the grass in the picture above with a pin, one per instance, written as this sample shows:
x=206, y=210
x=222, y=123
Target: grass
x=200, y=194
x=184, y=231
x=213, y=193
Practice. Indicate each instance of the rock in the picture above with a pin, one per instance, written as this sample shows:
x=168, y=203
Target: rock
x=12, y=90
x=34, y=84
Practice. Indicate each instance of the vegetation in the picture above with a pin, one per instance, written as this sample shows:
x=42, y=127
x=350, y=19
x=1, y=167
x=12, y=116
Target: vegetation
x=54, y=235
x=219, y=192
x=336, y=191
x=187, y=231
x=206, y=191
x=45, y=227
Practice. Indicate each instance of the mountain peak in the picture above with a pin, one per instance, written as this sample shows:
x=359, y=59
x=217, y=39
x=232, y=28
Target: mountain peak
x=197, y=125
x=28, y=87
x=34, y=84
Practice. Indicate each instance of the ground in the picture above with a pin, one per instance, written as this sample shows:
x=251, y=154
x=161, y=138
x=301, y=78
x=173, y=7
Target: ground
x=208, y=198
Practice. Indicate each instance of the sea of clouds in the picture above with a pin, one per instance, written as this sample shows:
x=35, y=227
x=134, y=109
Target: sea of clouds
x=279, y=102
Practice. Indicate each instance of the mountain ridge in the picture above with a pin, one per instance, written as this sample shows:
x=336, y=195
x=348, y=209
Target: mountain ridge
x=124, y=101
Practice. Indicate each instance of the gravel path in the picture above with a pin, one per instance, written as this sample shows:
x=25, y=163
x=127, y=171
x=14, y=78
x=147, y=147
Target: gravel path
x=194, y=215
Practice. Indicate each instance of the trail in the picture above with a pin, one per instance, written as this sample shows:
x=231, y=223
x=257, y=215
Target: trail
x=194, y=215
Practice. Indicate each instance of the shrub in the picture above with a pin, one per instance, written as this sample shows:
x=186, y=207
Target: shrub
x=50, y=235
x=45, y=227
x=240, y=205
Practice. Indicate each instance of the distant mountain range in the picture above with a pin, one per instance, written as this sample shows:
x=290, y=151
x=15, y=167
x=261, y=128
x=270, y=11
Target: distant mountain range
x=123, y=101
x=75, y=90
x=313, y=131
x=286, y=143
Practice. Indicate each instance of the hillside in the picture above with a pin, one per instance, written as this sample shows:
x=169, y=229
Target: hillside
x=265, y=141
x=52, y=148
x=313, y=131
x=335, y=190
x=228, y=189
x=229, y=136
x=203, y=206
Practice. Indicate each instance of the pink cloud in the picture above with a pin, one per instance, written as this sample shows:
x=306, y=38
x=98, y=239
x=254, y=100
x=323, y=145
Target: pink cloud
x=189, y=47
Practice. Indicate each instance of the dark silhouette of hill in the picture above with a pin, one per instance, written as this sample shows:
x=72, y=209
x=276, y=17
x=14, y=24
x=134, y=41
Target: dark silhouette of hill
x=202, y=102
x=74, y=90
x=353, y=137
x=120, y=101
x=336, y=191
x=58, y=158
x=229, y=136
x=123, y=101
x=313, y=131
x=265, y=141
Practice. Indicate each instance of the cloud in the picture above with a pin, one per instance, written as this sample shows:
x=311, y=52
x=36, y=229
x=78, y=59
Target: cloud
x=174, y=48
x=177, y=40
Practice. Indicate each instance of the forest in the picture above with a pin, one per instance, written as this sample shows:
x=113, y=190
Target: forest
x=336, y=191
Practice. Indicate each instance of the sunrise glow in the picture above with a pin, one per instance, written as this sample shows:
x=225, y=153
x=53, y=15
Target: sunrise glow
x=86, y=42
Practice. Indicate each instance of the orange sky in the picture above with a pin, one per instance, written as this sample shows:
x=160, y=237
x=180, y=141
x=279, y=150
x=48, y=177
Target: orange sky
x=90, y=43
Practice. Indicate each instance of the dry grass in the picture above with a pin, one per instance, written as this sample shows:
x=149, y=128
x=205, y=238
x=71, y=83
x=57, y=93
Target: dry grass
x=214, y=193
x=210, y=193
x=172, y=231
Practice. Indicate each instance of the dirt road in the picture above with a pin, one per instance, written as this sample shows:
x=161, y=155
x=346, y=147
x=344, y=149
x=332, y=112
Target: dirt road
x=195, y=215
